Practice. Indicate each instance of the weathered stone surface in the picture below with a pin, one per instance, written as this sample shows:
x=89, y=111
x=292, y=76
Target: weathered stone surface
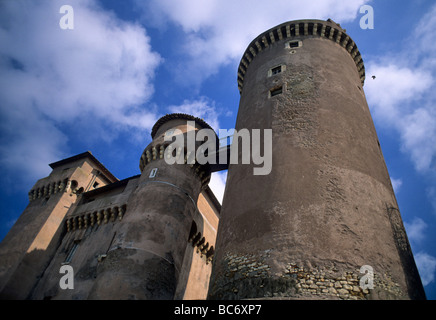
x=303, y=231
x=327, y=199
x=126, y=239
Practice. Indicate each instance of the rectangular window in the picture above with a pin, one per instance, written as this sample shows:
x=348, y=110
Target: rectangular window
x=294, y=44
x=153, y=173
x=71, y=253
x=276, y=70
x=276, y=91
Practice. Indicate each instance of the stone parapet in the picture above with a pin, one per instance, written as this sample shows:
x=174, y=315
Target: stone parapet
x=100, y=216
x=53, y=188
x=296, y=30
x=156, y=152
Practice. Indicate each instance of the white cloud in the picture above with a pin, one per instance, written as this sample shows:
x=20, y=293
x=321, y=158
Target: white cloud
x=218, y=31
x=218, y=183
x=401, y=96
x=202, y=108
x=393, y=88
x=427, y=267
x=205, y=108
x=418, y=133
x=31, y=143
x=424, y=38
x=396, y=184
x=415, y=230
x=96, y=75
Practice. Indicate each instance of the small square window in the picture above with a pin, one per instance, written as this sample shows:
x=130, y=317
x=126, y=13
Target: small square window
x=276, y=70
x=95, y=185
x=294, y=44
x=276, y=91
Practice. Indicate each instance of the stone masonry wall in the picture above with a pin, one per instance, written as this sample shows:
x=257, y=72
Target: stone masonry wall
x=246, y=272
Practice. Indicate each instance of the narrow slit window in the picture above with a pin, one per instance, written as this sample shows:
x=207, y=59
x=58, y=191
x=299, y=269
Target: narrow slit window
x=153, y=173
x=71, y=253
x=276, y=91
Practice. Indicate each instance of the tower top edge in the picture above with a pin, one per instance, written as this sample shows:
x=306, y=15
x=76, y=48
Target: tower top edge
x=90, y=156
x=178, y=116
x=297, y=29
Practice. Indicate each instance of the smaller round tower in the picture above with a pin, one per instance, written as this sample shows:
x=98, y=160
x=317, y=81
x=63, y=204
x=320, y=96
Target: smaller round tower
x=146, y=256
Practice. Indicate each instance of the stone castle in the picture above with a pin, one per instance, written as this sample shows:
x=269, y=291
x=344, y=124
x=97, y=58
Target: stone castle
x=304, y=231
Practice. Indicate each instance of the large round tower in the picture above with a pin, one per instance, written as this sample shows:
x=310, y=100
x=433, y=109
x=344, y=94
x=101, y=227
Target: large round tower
x=324, y=223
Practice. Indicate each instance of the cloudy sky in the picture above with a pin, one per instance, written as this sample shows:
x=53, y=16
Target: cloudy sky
x=102, y=85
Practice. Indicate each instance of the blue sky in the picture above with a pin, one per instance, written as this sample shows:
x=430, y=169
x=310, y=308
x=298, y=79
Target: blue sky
x=102, y=85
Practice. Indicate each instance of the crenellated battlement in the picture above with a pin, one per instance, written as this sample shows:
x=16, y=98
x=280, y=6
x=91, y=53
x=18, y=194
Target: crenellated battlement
x=100, y=216
x=295, y=30
x=47, y=190
x=198, y=241
x=157, y=152
x=161, y=149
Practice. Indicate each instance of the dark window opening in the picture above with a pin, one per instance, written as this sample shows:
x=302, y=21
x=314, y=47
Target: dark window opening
x=71, y=253
x=310, y=28
x=276, y=35
x=153, y=173
x=294, y=44
x=276, y=70
x=276, y=91
x=95, y=185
